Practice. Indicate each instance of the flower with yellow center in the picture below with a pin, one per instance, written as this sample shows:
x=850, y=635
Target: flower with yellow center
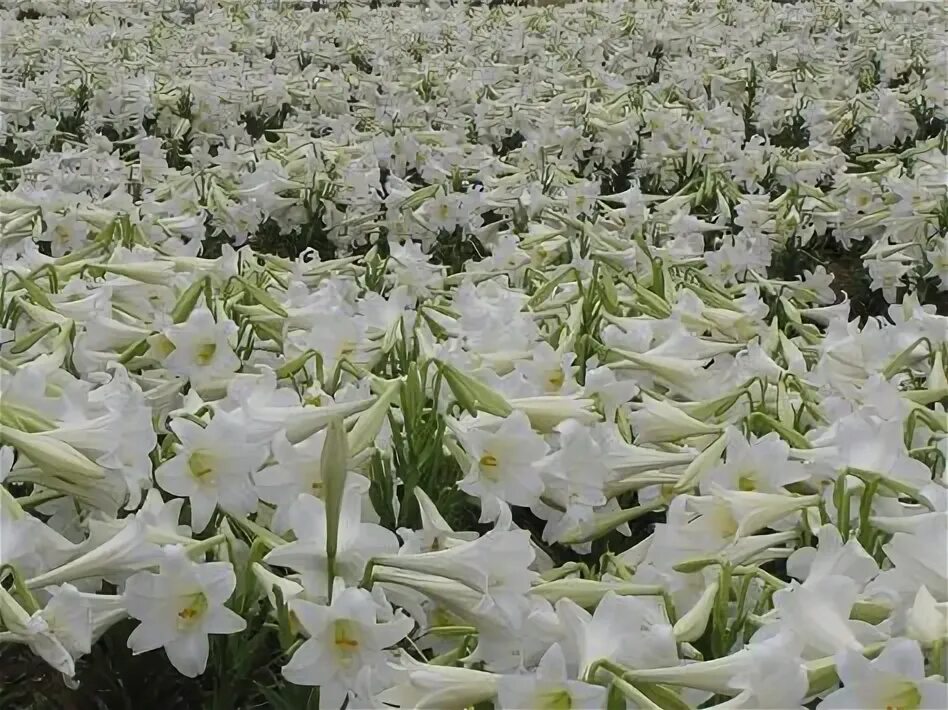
x=194, y=609
x=504, y=462
x=895, y=680
x=549, y=688
x=557, y=699
x=747, y=482
x=488, y=464
x=205, y=353
x=179, y=606
x=201, y=464
x=554, y=381
x=212, y=467
x=198, y=349
x=903, y=695
x=344, y=641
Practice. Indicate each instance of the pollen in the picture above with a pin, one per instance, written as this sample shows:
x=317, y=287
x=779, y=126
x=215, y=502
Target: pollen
x=345, y=640
x=192, y=611
x=904, y=695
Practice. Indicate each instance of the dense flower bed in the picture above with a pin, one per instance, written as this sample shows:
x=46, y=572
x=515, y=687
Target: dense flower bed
x=419, y=356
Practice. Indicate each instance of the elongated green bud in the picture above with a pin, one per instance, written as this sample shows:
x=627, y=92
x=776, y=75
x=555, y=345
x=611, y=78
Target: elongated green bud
x=474, y=395
x=332, y=471
x=187, y=301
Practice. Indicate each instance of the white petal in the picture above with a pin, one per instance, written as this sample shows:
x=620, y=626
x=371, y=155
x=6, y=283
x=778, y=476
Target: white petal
x=222, y=620
x=188, y=653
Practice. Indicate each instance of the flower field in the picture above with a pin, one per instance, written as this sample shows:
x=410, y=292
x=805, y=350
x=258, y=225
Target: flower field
x=472, y=356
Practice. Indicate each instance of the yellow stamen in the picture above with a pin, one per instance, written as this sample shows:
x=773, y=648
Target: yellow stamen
x=555, y=380
x=200, y=464
x=193, y=611
x=345, y=640
x=205, y=353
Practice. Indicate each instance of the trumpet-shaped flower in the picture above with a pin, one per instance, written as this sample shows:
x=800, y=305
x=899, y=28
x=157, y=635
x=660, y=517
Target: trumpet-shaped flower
x=345, y=642
x=774, y=677
x=58, y=633
x=297, y=471
x=576, y=472
x=547, y=372
x=762, y=465
x=358, y=542
x=548, y=688
x=832, y=557
x=817, y=612
x=874, y=445
x=202, y=349
x=495, y=564
x=631, y=631
x=918, y=559
x=179, y=606
x=435, y=532
x=113, y=554
x=503, y=463
x=422, y=686
x=658, y=421
x=212, y=467
x=895, y=680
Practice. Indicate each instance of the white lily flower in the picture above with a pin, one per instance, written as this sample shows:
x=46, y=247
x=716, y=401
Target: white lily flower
x=358, y=541
x=202, y=348
x=503, y=463
x=550, y=687
x=35, y=632
x=345, y=641
x=179, y=607
x=124, y=552
x=631, y=631
x=895, y=679
x=212, y=468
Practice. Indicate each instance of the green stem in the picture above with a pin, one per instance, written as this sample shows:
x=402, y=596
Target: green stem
x=841, y=499
x=27, y=600
x=638, y=698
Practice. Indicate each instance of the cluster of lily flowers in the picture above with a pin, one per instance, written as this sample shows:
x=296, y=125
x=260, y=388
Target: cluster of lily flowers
x=684, y=479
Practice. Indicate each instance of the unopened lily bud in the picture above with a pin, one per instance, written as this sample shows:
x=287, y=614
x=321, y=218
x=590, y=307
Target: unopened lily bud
x=545, y=413
x=588, y=592
x=691, y=626
x=370, y=422
x=51, y=455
